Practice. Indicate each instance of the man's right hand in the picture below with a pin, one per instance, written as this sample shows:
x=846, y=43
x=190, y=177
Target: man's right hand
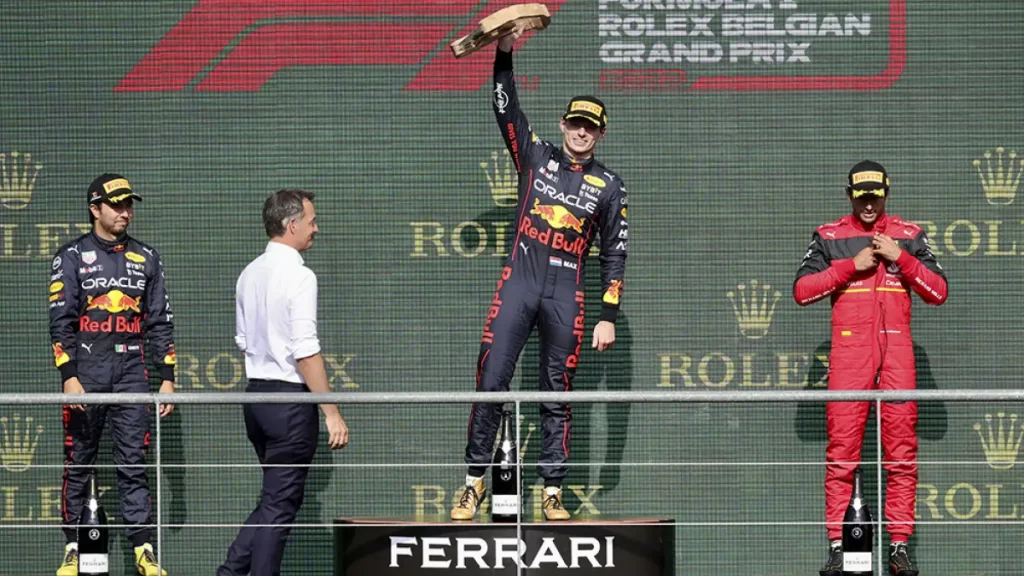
x=865, y=259
x=505, y=42
x=73, y=386
x=337, y=431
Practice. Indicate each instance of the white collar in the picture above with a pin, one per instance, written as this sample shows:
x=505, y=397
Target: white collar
x=284, y=250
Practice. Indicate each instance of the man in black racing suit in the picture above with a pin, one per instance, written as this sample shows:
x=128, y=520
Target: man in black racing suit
x=107, y=296
x=565, y=199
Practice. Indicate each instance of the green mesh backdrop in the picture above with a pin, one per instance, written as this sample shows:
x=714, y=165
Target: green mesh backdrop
x=733, y=122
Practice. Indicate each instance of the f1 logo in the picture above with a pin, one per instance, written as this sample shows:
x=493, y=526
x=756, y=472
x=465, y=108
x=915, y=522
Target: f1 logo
x=238, y=45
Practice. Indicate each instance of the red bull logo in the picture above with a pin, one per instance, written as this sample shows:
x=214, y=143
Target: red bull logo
x=495, y=307
x=118, y=324
x=170, y=359
x=577, y=330
x=60, y=357
x=556, y=240
x=558, y=217
x=613, y=293
x=113, y=302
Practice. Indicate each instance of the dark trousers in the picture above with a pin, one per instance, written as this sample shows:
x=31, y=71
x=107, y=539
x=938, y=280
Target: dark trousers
x=281, y=434
x=82, y=434
x=556, y=309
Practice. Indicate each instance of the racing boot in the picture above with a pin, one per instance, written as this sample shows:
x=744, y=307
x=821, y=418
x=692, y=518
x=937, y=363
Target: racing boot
x=472, y=495
x=552, y=504
x=69, y=566
x=899, y=560
x=145, y=561
x=834, y=564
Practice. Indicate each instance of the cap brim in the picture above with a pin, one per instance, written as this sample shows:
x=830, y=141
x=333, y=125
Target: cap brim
x=870, y=191
x=118, y=196
x=586, y=117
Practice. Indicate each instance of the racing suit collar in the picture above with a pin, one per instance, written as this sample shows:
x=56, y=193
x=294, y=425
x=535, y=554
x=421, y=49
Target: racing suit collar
x=878, y=226
x=115, y=245
x=568, y=161
x=281, y=249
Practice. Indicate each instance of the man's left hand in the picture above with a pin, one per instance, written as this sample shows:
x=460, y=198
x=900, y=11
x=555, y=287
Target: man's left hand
x=167, y=387
x=886, y=247
x=604, y=335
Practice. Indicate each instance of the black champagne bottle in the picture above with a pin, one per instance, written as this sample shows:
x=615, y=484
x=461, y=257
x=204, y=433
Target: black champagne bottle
x=93, y=557
x=857, y=531
x=504, y=494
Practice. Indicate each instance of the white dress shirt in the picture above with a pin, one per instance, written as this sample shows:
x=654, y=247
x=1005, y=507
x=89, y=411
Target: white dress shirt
x=275, y=314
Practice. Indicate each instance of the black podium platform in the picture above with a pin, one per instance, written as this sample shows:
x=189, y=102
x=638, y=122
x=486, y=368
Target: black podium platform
x=598, y=545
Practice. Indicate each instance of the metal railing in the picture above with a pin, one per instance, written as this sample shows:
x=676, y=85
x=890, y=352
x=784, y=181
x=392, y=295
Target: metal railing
x=877, y=397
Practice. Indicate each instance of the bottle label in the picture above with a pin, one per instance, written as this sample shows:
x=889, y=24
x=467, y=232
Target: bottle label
x=93, y=564
x=504, y=504
x=857, y=562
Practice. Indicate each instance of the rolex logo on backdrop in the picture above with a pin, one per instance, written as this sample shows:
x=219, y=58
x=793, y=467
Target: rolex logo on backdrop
x=18, y=442
x=502, y=178
x=22, y=235
x=484, y=234
x=996, y=232
x=1000, y=177
x=18, y=175
x=226, y=371
x=744, y=364
x=974, y=492
x=1000, y=439
x=754, y=308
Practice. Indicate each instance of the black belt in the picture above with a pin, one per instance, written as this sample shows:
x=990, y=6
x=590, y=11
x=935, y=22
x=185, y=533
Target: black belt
x=278, y=384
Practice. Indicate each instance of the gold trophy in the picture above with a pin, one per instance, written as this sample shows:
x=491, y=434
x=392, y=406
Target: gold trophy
x=530, y=16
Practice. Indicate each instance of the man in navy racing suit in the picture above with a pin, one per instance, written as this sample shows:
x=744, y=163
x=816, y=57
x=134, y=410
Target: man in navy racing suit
x=566, y=199
x=107, y=296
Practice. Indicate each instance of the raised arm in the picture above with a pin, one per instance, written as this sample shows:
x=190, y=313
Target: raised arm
x=515, y=129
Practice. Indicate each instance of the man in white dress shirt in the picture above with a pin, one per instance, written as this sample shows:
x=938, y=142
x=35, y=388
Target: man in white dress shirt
x=275, y=320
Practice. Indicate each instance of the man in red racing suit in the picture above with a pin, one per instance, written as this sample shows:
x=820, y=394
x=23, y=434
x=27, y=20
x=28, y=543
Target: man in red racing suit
x=868, y=263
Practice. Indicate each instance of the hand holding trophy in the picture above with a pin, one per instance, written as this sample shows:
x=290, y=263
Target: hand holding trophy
x=524, y=17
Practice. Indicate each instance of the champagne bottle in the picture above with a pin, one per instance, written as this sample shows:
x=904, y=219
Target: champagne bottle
x=857, y=531
x=92, y=536
x=504, y=493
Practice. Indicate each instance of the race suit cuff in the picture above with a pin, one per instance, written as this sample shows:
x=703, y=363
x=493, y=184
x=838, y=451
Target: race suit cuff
x=68, y=370
x=502, y=61
x=167, y=373
x=904, y=261
x=609, y=313
x=845, y=268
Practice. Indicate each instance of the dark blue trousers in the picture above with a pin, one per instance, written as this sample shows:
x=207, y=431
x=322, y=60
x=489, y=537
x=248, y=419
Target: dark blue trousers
x=82, y=434
x=281, y=434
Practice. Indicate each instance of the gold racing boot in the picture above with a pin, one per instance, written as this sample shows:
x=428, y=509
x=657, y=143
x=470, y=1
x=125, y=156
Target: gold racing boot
x=472, y=496
x=552, y=505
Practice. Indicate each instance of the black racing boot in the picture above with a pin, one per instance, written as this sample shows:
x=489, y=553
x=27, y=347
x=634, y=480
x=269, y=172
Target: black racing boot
x=899, y=560
x=834, y=564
